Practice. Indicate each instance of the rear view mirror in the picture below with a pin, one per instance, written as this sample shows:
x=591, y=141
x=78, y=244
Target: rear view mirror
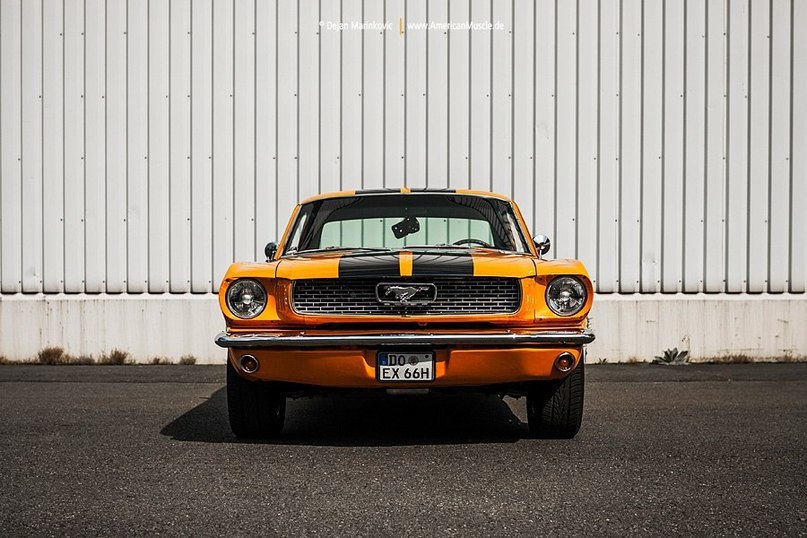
x=409, y=225
x=270, y=250
x=542, y=243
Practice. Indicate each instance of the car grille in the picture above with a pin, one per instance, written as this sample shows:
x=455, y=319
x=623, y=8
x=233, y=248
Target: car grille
x=455, y=296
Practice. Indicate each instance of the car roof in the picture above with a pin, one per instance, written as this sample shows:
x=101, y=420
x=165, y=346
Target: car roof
x=403, y=190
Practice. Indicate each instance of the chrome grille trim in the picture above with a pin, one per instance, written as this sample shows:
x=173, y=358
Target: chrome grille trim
x=456, y=296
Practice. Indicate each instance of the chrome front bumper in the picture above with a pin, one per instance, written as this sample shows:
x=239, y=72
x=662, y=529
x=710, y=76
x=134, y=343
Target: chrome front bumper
x=303, y=339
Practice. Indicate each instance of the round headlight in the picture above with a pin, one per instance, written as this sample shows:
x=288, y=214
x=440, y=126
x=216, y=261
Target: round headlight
x=566, y=296
x=246, y=298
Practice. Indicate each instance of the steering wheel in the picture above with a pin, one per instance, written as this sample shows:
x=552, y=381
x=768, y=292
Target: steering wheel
x=471, y=240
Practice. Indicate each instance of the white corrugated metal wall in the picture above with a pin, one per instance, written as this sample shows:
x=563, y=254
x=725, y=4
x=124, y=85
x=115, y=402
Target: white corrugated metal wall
x=146, y=144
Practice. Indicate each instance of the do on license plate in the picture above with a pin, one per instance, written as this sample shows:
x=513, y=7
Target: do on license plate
x=396, y=366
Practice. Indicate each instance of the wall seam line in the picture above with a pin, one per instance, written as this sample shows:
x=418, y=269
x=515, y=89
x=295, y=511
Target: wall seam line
x=747, y=287
x=683, y=266
x=660, y=285
x=641, y=283
x=727, y=148
x=790, y=244
x=771, y=37
x=555, y=129
x=619, y=230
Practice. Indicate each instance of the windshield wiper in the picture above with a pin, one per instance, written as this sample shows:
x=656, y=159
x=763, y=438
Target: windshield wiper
x=440, y=245
x=460, y=247
x=338, y=249
x=500, y=250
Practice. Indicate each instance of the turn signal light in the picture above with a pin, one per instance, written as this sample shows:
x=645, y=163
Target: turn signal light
x=249, y=364
x=564, y=362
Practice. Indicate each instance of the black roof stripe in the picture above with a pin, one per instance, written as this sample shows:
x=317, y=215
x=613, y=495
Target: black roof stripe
x=398, y=191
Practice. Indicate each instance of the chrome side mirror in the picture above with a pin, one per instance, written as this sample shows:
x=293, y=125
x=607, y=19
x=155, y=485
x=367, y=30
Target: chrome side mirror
x=542, y=243
x=270, y=250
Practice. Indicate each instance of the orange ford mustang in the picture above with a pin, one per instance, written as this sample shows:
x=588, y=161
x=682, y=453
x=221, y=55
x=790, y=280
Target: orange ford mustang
x=413, y=290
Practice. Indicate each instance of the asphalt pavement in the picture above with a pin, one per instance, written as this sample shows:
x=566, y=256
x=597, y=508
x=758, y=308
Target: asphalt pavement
x=136, y=450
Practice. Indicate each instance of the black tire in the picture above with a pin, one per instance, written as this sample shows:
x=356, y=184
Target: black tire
x=256, y=410
x=555, y=408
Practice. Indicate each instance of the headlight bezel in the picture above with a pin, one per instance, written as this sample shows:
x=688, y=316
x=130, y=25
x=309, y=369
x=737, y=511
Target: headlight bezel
x=559, y=282
x=260, y=298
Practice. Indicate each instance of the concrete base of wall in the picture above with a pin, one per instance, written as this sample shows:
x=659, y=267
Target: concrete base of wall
x=628, y=327
x=639, y=327
x=146, y=326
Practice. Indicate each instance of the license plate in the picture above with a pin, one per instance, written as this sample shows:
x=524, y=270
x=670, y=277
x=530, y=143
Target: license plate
x=403, y=367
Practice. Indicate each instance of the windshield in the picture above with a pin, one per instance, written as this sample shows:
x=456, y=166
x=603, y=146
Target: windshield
x=404, y=220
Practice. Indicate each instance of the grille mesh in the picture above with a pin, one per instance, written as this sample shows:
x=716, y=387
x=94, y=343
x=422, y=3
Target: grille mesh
x=455, y=296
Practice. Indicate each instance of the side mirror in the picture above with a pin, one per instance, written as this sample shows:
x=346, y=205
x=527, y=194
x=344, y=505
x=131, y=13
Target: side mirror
x=542, y=243
x=270, y=250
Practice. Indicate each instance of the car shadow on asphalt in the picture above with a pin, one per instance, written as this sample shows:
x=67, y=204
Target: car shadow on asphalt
x=371, y=419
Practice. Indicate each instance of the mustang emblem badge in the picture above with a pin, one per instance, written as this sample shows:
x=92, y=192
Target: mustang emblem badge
x=406, y=294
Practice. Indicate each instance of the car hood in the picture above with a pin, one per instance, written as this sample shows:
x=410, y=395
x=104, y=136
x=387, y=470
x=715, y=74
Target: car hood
x=404, y=263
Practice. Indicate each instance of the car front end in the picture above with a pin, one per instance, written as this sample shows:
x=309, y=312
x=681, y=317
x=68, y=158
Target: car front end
x=437, y=291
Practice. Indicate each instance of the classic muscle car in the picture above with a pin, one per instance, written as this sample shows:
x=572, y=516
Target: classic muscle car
x=406, y=291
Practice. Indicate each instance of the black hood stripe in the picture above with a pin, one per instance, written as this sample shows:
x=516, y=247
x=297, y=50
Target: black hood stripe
x=389, y=265
x=369, y=265
x=443, y=264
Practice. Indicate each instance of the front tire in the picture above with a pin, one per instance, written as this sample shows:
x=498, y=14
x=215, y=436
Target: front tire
x=555, y=408
x=256, y=410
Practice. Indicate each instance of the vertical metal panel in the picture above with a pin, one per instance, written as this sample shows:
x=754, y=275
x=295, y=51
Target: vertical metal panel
x=244, y=131
x=779, y=229
x=715, y=208
x=32, y=146
x=137, y=126
x=116, y=147
x=373, y=92
x=607, y=264
x=415, y=91
x=11, y=150
x=798, y=172
x=658, y=141
x=53, y=161
x=630, y=146
x=565, y=130
x=437, y=96
x=265, y=125
x=652, y=145
x=180, y=144
x=201, y=232
x=480, y=111
x=95, y=146
x=74, y=161
x=673, y=147
x=523, y=101
x=223, y=136
x=737, y=162
x=287, y=176
x=330, y=98
x=501, y=124
x=458, y=100
x=694, y=143
x=351, y=81
x=309, y=92
x=394, y=97
x=159, y=129
x=587, y=173
x=545, y=62
x=759, y=144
